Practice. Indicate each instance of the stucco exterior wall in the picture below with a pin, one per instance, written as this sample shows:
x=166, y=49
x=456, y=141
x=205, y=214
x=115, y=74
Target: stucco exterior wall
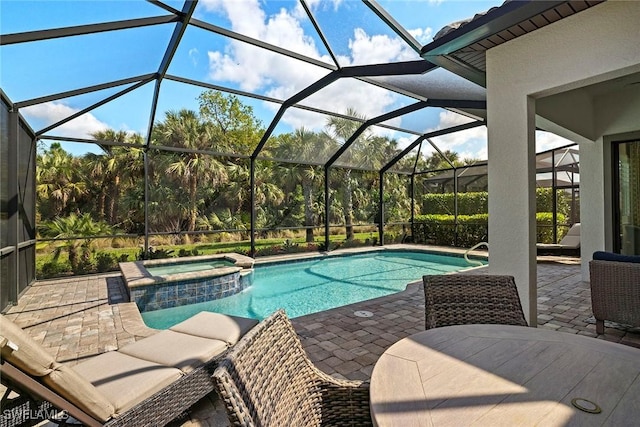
x=592, y=46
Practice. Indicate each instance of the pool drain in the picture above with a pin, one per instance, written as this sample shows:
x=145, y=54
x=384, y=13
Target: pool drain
x=363, y=313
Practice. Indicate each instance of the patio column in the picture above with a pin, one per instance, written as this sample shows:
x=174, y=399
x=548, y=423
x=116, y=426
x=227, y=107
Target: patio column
x=512, y=201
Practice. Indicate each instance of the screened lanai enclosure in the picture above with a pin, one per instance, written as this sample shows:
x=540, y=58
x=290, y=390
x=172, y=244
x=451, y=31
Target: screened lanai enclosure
x=136, y=130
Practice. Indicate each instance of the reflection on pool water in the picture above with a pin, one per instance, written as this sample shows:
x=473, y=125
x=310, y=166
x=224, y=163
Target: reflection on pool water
x=305, y=287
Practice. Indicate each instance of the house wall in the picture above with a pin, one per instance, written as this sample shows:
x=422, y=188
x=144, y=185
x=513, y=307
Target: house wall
x=595, y=45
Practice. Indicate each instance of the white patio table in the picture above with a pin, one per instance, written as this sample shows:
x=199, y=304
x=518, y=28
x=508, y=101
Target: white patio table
x=505, y=375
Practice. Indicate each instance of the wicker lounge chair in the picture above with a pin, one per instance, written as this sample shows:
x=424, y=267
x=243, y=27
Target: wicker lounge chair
x=267, y=380
x=149, y=382
x=460, y=299
x=615, y=289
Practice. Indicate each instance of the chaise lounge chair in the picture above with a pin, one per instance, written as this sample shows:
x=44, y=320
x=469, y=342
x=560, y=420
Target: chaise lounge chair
x=149, y=382
x=569, y=245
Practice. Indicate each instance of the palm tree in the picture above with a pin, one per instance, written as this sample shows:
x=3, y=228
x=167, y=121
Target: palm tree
x=58, y=182
x=340, y=130
x=71, y=227
x=305, y=146
x=192, y=169
x=109, y=169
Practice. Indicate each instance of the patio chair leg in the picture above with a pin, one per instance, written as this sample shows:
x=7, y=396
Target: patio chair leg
x=599, y=327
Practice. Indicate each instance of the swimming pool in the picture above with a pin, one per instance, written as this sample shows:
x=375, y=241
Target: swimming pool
x=310, y=286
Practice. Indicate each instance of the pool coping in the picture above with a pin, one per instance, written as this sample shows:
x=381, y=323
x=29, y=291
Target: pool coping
x=435, y=250
x=135, y=273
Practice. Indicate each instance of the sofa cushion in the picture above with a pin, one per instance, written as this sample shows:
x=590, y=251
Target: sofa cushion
x=610, y=256
x=19, y=349
x=216, y=326
x=125, y=380
x=77, y=390
x=169, y=348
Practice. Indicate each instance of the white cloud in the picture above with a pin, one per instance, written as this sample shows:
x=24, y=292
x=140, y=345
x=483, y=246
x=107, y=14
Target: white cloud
x=378, y=49
x=470, y=143
x=423, y=35
x=52, y=112
x=547, y=140
x=280, y=77
x=194, y=55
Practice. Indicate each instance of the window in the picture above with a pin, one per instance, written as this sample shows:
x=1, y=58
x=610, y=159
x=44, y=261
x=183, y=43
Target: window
x=626, y=156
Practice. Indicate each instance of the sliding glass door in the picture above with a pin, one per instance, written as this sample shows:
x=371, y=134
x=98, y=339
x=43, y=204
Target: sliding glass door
x=627, y=190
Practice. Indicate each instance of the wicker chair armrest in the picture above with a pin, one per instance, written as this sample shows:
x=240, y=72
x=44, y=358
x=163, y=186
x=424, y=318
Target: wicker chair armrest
x=337, y=382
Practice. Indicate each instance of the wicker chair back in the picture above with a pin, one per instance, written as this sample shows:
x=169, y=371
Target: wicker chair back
x=460, y=299
x=267, y=380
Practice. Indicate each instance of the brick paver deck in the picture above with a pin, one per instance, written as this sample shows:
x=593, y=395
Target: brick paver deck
x=80, y=317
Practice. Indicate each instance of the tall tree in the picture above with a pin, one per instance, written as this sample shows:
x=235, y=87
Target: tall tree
x=234, y=127
x=110, y=168
x=58, y=181
x=193, y=169
x=306, y=146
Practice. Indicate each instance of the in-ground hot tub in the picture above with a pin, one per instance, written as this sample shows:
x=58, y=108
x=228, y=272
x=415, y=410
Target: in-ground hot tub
x=172, y=282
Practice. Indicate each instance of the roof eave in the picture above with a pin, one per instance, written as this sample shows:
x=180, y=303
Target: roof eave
x=493, y=22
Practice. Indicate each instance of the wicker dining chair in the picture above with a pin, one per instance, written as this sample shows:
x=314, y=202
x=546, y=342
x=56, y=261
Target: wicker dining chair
x=460, y=299
x=267, y=380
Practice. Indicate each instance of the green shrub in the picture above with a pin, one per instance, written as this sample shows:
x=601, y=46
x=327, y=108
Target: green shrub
x=85, y=265
x=153, y=253
x=544, y=229
x=353, y=243
x=106, y=261
x=188, y=252
x=442, y=230
x=444, y=203
x=478, y=202
x=53, y=269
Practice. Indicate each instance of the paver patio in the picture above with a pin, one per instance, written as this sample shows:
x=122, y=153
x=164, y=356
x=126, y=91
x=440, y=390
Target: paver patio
x=80, y=317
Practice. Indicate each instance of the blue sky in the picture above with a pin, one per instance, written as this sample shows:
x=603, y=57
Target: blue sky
x=355, y=34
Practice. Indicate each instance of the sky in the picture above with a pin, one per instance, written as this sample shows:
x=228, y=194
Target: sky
x=355, y=34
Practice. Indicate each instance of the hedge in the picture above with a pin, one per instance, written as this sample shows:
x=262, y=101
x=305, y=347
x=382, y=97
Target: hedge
x=468, y=203
x=442, y=230
x=477, y=202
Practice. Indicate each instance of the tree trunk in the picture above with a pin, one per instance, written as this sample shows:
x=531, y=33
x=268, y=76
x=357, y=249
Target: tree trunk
x=113, y=200
x=347, y=201
x=308, y=210
x=193, y=208
x=73, y=257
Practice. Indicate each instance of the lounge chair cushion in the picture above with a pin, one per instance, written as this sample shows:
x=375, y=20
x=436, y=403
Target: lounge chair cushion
x=570, y=242
x=77, y=390
x=182, y=351
x=227, y=328
x=125, y=380
x=29, y=356
x=610, y=256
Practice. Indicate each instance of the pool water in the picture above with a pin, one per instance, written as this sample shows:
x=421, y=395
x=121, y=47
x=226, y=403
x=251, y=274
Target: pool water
x=187, y=267
x=306, y=287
